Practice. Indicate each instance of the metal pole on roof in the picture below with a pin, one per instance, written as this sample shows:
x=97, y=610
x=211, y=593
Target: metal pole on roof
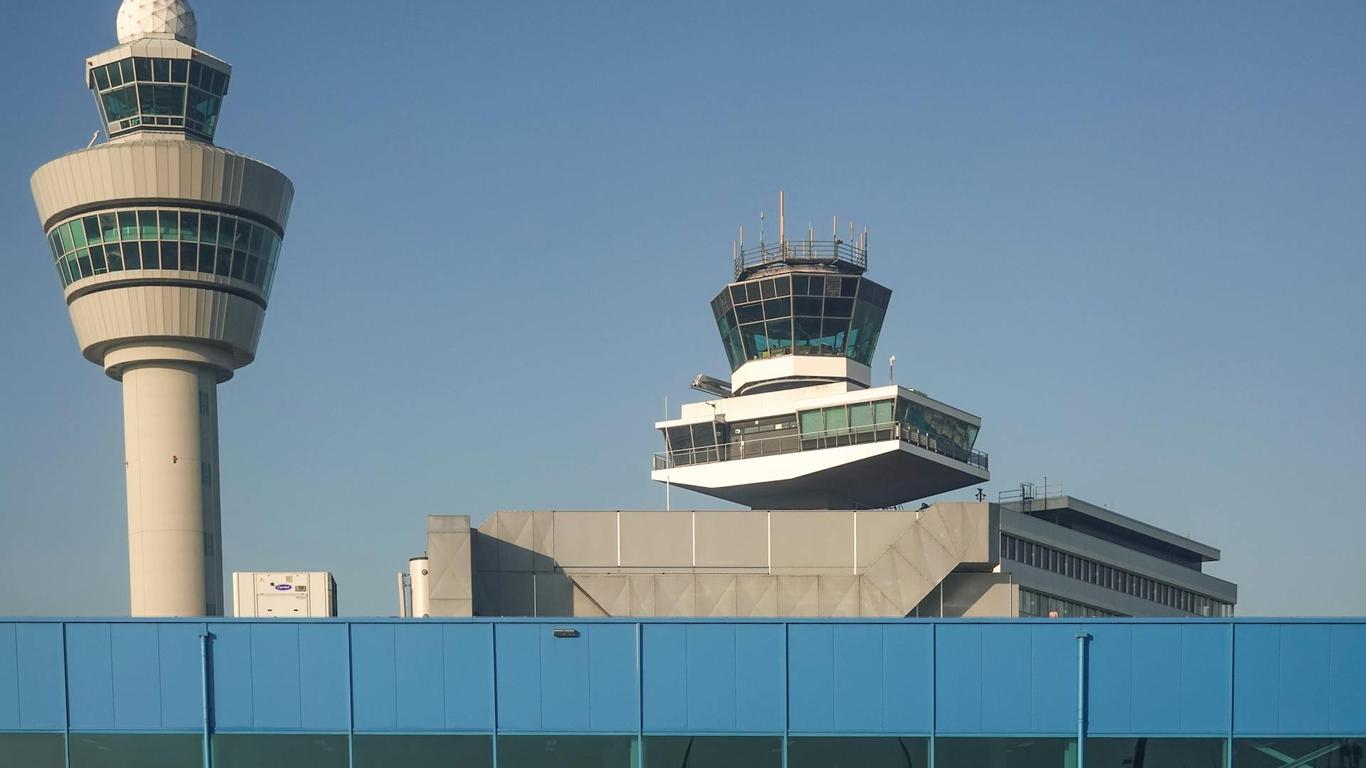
x=204, y=637
x=1082, y=637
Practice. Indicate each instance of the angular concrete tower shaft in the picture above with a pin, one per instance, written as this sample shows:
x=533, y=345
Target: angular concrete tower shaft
x=165, y=247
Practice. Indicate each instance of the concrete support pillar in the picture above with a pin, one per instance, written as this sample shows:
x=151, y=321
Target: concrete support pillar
x=170, y=412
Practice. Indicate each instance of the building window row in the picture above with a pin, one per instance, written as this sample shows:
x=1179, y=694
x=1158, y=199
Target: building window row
x=1042, y=606
x=801, y=314
x=176, y=93
x=184, y=240
x=1102, y=575
x=336, y=750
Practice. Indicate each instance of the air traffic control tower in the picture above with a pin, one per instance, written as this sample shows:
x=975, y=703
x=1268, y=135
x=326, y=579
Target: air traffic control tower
x=165, y=247
x=800, y=425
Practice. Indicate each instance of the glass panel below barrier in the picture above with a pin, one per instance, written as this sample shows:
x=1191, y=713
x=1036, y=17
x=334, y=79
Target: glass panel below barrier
x=714, y=751
x=144, y=750
x=858, y=752
x=455, y=751
x=279, y=750
x=31, y=750
x=560, y=751
x=1300, y=753
x=1150, y=752
x=1013, y=752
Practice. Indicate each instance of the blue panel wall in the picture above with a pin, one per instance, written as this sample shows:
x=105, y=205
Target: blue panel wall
x=1145, y=677
x=714, y=677
x=31, y=692
x=586, y=683
x=1159, y=679
x=1015, y=677
x=860, y=678
x=1300, y=678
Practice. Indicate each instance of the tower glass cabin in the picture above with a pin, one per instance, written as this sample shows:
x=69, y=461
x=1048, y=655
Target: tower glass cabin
x=165, y=248
x=800, y=425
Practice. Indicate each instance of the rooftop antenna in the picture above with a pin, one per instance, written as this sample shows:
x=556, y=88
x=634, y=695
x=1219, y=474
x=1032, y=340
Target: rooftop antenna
x=891, y=369
x=863, y=243
x=782, y=218
x=761, y=230
x=93, y=139
x=742, y=237
x=834, y=227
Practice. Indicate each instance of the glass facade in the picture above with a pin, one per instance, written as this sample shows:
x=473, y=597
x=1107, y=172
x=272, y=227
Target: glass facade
x=453, y=750
x=1092, y=572
x=1024, y=752
x=714, y=751
x=1300, y=753
x=800, y=313
x=140, y=93
x=162, y=238
x=1155, y=753
x=289, y=750
x=858, y=752
x=32, y=750
x=117, y=750
x=556, y=751
x=1041, y=606
x=280, y=750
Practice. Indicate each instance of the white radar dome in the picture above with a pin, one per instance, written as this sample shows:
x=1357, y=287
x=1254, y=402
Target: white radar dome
x=161, y=18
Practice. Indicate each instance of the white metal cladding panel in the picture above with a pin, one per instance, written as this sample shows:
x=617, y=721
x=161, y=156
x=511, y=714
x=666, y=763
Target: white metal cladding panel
x=151, y=311
x=178, y=170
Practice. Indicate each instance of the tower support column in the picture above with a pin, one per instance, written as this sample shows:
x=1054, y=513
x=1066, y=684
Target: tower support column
x=170, y=411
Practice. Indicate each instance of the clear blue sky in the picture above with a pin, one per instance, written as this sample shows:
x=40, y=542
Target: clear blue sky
x=1129, y=236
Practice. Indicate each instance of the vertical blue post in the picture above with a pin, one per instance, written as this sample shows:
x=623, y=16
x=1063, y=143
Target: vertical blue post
x=787, y=687
x=934, y=686
x=204, y=684
x=493, y=680
x=350, y=702
x=1232, y=667
x=66, y=703
x=640, y=698
x=1082, y=637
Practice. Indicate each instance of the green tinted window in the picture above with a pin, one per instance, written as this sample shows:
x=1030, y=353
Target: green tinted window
x=862, y=752
x=208, y=228
x=117, y=750
x=882, y=412
x=861, y=415
x=714, y=751
x=161, y=99
x=109, y=227
x=92, y=229
x=189, y=227
x=128, y=225
x=78, y=233
x=170, y=226
x=566, y=751
x=443, y=750
x=120, y=104
x=148, y=222
x=277, y=750
x=64, y=232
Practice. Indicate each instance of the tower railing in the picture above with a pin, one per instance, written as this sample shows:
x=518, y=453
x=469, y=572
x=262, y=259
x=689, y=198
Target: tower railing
x=832, y=252
x=827, y=438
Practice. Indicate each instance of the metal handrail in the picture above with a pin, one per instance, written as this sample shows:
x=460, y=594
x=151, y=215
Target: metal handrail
x=794, y=443
x=800, y=252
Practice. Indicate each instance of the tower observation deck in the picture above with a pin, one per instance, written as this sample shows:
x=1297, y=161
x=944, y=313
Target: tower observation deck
x=165, y=248
x=800, y=425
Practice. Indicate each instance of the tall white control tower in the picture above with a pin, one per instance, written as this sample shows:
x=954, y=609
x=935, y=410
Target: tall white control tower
x=165, y=247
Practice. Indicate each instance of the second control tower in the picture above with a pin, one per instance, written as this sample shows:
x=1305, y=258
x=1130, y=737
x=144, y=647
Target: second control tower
x=165, y=248
x=800, y=425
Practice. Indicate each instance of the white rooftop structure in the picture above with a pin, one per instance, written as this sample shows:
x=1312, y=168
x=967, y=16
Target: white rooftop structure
x=172, y=19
